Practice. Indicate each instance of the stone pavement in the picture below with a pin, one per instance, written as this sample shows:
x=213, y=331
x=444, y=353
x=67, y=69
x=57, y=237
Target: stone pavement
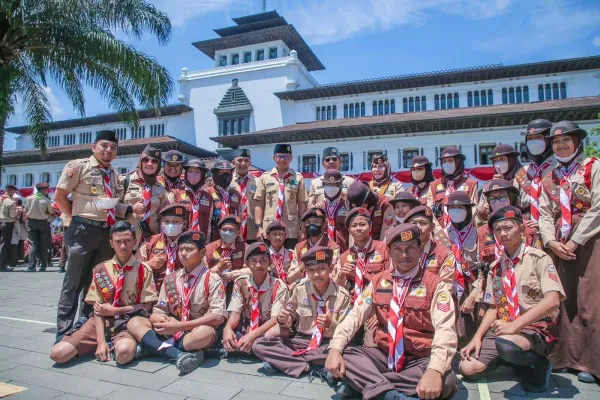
x=27, y=317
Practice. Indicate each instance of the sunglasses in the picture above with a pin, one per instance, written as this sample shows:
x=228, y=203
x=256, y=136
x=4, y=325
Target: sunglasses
x=331, y=159
x=283, y=156
x=153, y=161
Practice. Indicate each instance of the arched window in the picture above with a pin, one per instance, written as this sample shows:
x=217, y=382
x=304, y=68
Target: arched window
x=456, y=102
x=548, y=92
x=417, y=104
x=476, y=98
x=563, y=90
x=362, y=109
x=28, y=180
x=504, y=96
x=45, y=177
x=328, y=112
x=541, y=92
x=318, y=113
x=334, y=113
x=423, y=103
x=323, y=113
x=411, y=104
x=483, y=98
x=511, y=95
x=443, y=102
x=345, y=110
x=351, y=110
x=374, y=108
x=387, y=107
x=380, y=108
x=405, y=105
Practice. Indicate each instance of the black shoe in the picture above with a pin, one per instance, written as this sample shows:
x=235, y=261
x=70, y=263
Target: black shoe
x=62, y=270
x=319, y=371
x=187, y=362
x=537, y=378
x=42, y=269
x=6, y=269
x=344, y=391
x=397, y=395
x=268, y=369
x=30, y=269
x=215, y=352
x=140, y=352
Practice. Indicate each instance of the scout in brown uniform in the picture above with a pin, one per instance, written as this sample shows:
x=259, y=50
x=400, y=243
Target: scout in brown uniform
x=382, y=212
x=570, y=226
x=315, y=309
x=199, y=202
x=523, y=295
x=453, y=179
x=245, y=183
x=281, y=196
x=170, y=176
x=97, y=203
x=505, y=159
x=122, y=288
x=284, y=264
x=334, y=204
x=403, y=203
x=8, y=217
x=191, y=306
x=226, y=199
x=38, y=211
x=160, y=252
x=415, y=334
x=421, y=175
x=142, y=188
x=331, y=161
x=383, y=182
x=255, y=303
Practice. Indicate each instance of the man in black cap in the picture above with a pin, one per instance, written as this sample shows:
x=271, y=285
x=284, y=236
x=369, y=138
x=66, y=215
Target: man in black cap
x=9, y=214
x=226, y=198
x=170, y=177
x=145, y=194
x=382, y=212
x=245, y=183
x=97, y=203
x=331, y=161
x=38, y=211
x=281, y=196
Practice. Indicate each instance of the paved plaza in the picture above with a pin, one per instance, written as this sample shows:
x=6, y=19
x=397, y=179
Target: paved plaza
x=27, y=330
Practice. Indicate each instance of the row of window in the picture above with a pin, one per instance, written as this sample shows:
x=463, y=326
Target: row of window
x=326, y=112
x=446, y=101
x=354, y=110
x=70, y=139
x=27, y=179
x=552, y=91
x=234, y=125
x=259, y=55
x=480, y=98
x=384, y=107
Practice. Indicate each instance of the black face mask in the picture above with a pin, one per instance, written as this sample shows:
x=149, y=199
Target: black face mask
x=223, y=180
x=313, y=230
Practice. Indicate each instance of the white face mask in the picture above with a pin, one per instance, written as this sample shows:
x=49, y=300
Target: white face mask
x=566, y=160
x=449, y=167
x=171, y=229
x=331, y=191
x=400, y=220
x=501, y=167
x=457, y=215
x=536, y=147
x=418, y=175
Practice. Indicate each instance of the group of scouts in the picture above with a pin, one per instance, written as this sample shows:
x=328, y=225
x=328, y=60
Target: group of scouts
x=374, y=287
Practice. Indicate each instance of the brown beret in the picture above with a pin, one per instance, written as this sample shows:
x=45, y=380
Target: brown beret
x=173, y=156
x=317, y=255
x=355, y=212
x=195, y=237
x=402, y=233
x=174, y=210
x=275, y=225
x=318, y=212
x=230, y=219
x=508, y=212
x=419, y=211
x=152, y=152
x=257, y=248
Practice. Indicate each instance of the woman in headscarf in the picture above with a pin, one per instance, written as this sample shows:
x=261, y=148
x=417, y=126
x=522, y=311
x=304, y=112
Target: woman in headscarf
x=570, y=228
x=421, y=175
x=383, y=183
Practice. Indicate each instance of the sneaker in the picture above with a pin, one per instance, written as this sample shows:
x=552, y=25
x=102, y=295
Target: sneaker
x=42, y=269
x=319, y=371
x=268, y=369
x=216, y=352
x=344, y=391
x=397, y=395
x=187, y=362
x=537, y=378
x=585, y=377
x=140, y=352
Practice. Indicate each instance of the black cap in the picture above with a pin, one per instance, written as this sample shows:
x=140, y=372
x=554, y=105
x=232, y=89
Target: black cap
x=452, y=151
x=282, y=148
x=230, y=219
x=419, y=211
x=355, y=212
x=333, y=176
x=174, y=210
x=241, y=153
x=10, y=186
x=317, y=255
x=42, y=185
x=275, y=226
x=504, y=150
x=406, y=197
x=537, y=126
x=111, y=136
x=257, y=248
x=459, y=198
x=567, y=128
x=357, y=193
x=173, y=156
x=420, y=161
x=330, y=151
x=152, y=152
x=500, y=184
x=318, y=212
x=222, y=165
x=402, y=233
x=508, y=212
x=195, y=237
x=196, y=163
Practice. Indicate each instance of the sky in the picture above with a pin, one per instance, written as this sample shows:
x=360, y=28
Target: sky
x=360, y=39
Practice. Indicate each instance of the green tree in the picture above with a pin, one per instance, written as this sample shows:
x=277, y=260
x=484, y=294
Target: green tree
x=593, y=149
x=73, y=43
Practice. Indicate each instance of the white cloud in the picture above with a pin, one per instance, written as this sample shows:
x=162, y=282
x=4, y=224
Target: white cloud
x=596, y=41
x=56, y=109
x=181, y=11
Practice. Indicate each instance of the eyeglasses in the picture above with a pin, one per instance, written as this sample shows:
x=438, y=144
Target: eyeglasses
x=152, y=161
x=331, y=159
x=500, y=198
x=283, y=156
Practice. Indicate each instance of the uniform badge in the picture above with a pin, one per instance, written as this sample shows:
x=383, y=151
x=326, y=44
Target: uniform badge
x=183, y=196
x=580, y=191
x=320, y=256
x=237, y=255
x=253, y=188
x=159, y=245
x=385, y=283
x=375, y=257
x=204, y=202
x=418, y=291
x=94, y=189
x=234, y=198
x=304, y=250
x=443, y=302
x=132, y=297
x=552, y=273
x=321, y=304
x=440, y=187
x=488, y=296
x=377, y=213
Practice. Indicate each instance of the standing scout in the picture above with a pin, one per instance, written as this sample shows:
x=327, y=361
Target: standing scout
x=284, y=264
x=415, y=337
x=142, y=188
x=170, y=176
x=421, y=175
x=331, y=161
x=523, y=295
x=160, y=251
x=383, y=182
x=334, y=204
x=310, y=317
x=281, y=196
x=38, y=211
x=191, y=307
x=121, y=288
x=245, y=183
x=226, y=199
x=97, y=203
x=382, y=212
x=8, y=216
x=403, y=203
x=255, y=303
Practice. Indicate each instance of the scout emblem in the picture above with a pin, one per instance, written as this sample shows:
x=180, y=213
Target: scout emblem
x=160, y=245
x=406, y=236
x=94, y=189
x=320, y=255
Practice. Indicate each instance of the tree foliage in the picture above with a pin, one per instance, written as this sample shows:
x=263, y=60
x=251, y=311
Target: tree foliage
x=593, y=148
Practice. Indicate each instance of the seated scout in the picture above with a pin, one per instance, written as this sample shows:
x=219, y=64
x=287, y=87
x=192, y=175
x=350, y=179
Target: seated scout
x=316, y=307
x=255, y=302
x=191, y=306
x=523, y=294
x=284, y=264
x=121, y=287
x=415, y=336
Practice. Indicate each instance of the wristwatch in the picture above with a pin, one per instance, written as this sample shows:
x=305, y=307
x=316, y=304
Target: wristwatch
x=257, y=226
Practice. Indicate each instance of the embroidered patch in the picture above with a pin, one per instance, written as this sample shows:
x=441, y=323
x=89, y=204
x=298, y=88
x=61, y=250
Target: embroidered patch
x=488, y=296
x=418, y=291
x=92, y=287
x=443, y=297
x=406, y=236
x=160, y=245
x=377, y=213
x=320, y=256
x=366, y=294
x=204, y=202
x=221, y=292
x=553, y=276
x=443, y=307
x=385, y=283
x=440, y=187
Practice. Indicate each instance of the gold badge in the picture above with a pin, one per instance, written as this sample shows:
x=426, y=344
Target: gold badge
x=320, y=256
x=406, y=236
x=331, y=179
x=580, y=191
x=94, y=189
x=160, y=245
x=385, y=283
x=442, y=297
x=440, y=187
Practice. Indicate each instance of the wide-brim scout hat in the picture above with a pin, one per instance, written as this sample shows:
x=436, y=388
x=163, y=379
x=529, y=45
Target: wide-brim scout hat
x=420, y=161
x=255, y=249
x=41, y=185
x=317, y=212
x=504, y=150
x=274, y=226
x=196, y=163
x=222, y=165
x=419, y=211
x=111, y=136
x=330, y=151
x=537, y=127
x=195, y=237
x=452, y=151
x=402, y=233
x=459, y=198
x=230, y=219
x=567, y=128
x=500, y=184
x=357, y=193
x=504, y=213
x=333, y=177
x=174, y=210
x=173, y=156
x=317, y=255
x=282, y=148
x=152, y=152
x=405, y=197
x=356, y=212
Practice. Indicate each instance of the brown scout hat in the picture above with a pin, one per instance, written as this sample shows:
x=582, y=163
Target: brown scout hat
x=459, y=198
x=500, y=184
x=195, y=237
x=452, y=151
x=41, y=185
x=357, y=193
x=317, y=255
x=257, y=248
x=504, y=150
x=419, y=161
x=174, y=210
x=332, y=176
x=275, y=225
x=420, y=210
x=406, y=197
x=567, y=128
x=358, y=211
x=152, y=152
x=173, y=156
x=402, y=233
x=318, y=212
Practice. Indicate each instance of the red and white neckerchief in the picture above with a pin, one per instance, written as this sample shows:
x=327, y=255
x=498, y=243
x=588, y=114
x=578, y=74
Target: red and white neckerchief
x=110, y=214
x=425, y=254
x=331, y=208
x=120, y=284
x=458, y=242
x=396, y=324
x=509, y=283
x=189, y=283
x=243, y=182
x=224, y=193
x=417, y=190
x=445, y=215
x=534, y=174
x=317, y=331
x=171, y=257
x=565, y=198
x=359, y=271
x=279, y=263
x=195, y=211
x=280, y=194
x=255, y=293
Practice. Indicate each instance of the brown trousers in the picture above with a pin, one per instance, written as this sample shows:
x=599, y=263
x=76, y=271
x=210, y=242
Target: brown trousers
x=367, y=372
x=277, y=352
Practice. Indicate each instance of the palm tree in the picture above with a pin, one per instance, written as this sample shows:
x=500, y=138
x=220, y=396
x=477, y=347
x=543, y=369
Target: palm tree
x=73, y=42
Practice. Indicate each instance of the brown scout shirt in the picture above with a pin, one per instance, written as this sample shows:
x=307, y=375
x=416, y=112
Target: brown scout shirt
x=38, y=208
x=316, y=193
x=535, y=276
x=290, y=264
x=305, y=245
x=443, y=319
x=270, y=302
x=295, y=193
x=376, y=260
x=471, y=254
x=251, y=187
x=388, y=190
x=337, y=301
x=201, y=302
x=8, y=209
x=85, y=180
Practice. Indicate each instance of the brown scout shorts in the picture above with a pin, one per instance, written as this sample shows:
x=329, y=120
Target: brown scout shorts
x=84, y=339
